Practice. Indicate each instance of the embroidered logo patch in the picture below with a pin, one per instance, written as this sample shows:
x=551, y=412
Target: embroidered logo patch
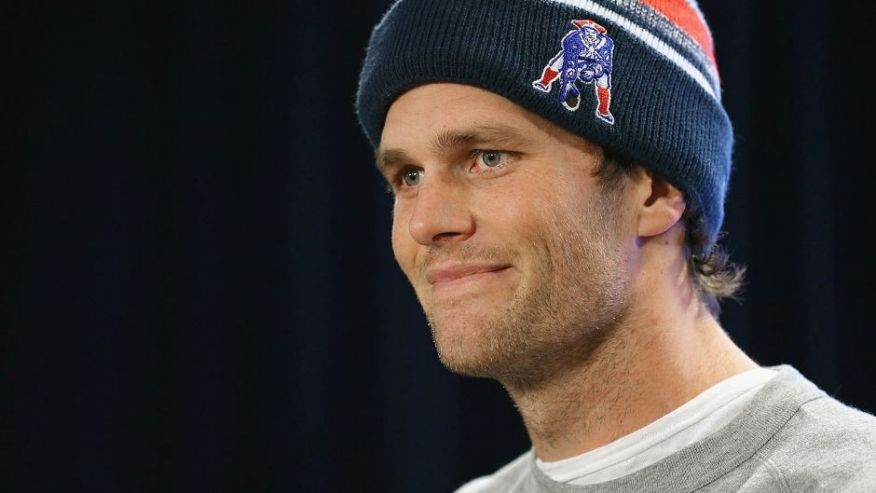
x=586, y=57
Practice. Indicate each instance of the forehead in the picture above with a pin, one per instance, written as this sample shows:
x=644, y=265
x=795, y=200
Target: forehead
x=440, y=106
x=429, y=117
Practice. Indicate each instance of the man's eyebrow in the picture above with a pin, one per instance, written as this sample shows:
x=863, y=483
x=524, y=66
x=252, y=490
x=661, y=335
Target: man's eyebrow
x=495, y=134
x=388, y=159
x=449, y=141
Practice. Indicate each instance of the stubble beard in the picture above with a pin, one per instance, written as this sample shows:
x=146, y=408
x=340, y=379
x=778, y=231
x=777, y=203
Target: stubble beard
x=571, y=302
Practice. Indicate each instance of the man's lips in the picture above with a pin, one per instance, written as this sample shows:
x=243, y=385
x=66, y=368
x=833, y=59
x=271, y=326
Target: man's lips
x=456, y=272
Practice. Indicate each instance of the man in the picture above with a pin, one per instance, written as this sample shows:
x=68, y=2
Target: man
x=563, y=242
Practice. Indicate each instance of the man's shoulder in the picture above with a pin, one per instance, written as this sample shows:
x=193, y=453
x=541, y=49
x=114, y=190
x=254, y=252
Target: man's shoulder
x=825, y=445
x=509, y=478
x=792, y=437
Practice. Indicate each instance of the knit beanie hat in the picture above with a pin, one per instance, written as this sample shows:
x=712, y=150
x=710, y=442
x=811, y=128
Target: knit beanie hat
x=637, y=77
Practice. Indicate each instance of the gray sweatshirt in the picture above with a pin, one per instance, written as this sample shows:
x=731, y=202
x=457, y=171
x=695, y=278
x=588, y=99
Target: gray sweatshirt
x=792, y=437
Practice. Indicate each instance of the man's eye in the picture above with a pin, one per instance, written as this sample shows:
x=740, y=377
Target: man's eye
x=411, y=177
x=492, y=159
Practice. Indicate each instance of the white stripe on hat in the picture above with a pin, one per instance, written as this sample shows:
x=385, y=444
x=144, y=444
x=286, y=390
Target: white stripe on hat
x=649, y=39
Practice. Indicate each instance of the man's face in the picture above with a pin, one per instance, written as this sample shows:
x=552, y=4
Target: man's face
x=517, y=256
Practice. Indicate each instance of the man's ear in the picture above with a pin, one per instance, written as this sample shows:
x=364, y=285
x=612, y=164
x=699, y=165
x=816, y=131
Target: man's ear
x=660, y=205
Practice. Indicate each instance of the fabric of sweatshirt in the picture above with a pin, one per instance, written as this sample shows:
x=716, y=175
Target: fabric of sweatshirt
x=792, y=437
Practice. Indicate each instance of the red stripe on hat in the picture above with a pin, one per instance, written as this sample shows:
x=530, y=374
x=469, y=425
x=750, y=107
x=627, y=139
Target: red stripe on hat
x=683, y=15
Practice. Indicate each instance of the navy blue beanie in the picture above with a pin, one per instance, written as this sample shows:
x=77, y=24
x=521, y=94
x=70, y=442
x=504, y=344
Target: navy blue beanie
x=637, y=77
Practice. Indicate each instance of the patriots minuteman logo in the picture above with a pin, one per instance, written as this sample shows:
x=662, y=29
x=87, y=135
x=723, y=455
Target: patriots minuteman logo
x=586, y=57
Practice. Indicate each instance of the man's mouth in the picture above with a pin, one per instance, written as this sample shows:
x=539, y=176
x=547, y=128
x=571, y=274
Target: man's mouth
x=457, y=274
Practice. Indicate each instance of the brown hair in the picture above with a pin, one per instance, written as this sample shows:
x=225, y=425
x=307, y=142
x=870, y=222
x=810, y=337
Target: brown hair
x=710, y=271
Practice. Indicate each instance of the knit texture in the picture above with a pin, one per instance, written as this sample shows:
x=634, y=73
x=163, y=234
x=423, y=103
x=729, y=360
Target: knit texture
x=665, y=109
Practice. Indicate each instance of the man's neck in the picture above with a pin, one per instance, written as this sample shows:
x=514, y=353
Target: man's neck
x=655, y=362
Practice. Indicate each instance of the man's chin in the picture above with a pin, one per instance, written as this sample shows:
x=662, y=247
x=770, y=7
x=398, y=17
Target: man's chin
x=470, y=364
x=470, y=349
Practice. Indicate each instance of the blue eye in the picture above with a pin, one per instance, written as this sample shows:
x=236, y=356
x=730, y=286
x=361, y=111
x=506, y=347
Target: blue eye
x=492, y=159
x=411, y=177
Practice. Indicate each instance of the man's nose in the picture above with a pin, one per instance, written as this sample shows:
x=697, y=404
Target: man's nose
x=441, y=214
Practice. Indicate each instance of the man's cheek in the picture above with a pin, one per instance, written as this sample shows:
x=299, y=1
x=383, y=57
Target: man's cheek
x=404, y=248
x=399, y=252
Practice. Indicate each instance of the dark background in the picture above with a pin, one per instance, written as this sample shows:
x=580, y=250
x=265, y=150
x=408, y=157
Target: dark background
x=198, y=288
